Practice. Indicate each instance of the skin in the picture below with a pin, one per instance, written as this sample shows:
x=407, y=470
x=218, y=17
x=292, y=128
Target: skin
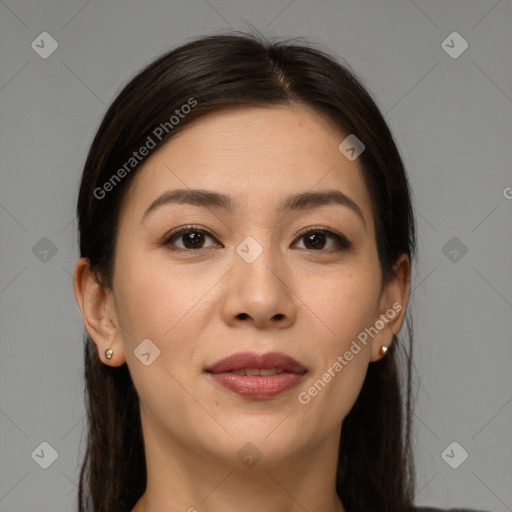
x=199, y=307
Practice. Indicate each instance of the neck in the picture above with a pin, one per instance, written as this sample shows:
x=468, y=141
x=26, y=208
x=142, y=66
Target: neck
x=183, y=479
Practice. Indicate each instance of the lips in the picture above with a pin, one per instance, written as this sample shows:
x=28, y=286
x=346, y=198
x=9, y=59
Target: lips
x=257, y=376
x=251, y=361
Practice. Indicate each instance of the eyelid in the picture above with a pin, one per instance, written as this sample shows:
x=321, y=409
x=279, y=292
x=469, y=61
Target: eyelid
x=184, y=229
x=341, y=240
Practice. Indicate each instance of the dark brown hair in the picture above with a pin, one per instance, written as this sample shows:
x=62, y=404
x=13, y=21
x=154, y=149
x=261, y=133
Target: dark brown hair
x=375, y=467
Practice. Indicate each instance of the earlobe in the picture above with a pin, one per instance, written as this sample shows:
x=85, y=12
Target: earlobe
x=393, y=306
x=95, y=303
x=381, y=343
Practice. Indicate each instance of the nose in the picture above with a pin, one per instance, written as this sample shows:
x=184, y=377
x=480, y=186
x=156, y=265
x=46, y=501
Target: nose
x=260, y=292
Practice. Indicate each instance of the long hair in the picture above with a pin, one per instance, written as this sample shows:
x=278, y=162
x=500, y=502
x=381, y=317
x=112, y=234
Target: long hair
x=375, y=467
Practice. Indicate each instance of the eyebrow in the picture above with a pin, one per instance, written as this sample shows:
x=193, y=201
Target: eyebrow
x=219, y=201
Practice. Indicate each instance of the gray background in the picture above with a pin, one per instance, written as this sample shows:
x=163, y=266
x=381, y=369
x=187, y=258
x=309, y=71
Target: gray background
x=452, y=120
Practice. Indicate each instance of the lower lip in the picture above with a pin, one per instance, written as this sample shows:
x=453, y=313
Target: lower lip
x=258, y=386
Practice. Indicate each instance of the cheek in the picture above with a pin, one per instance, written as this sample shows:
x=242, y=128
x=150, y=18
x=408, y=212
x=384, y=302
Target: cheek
x=164, y=304
x=167, y=303
x=339, y=310
x=334, y=385
x=332, y=393
x=341, y=304
x=150, y=297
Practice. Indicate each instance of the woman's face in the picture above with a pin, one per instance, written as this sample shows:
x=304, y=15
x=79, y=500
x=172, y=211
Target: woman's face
x=256, y=277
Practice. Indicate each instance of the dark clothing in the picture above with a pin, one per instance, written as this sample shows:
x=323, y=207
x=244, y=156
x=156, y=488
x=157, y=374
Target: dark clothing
x=430, y=509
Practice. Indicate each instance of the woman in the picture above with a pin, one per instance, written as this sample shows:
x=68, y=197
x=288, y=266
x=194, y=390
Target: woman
x=246, y=237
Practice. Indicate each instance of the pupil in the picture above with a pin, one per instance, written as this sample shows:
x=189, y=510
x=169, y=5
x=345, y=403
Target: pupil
x=194, y=237
x=317, y=243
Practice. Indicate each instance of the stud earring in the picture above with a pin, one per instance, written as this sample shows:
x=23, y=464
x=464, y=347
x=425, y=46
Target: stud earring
x=108, y=353
x=383, y=350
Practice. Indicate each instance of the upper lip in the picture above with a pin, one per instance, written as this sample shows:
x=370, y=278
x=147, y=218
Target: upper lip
x=244, y=360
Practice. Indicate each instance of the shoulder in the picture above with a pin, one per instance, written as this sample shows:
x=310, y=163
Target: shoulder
x=432, y=509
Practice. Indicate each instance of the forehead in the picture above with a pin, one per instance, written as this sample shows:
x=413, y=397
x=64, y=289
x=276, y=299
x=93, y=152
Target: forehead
x=256, y=155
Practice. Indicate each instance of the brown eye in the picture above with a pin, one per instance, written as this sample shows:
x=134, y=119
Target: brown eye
x=315, y=239
x=191, y=238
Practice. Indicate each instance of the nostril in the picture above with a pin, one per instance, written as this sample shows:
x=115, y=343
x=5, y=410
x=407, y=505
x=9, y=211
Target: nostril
x=242, y=316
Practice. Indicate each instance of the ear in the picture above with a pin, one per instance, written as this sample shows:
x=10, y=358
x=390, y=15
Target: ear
x=97, y=306
x=392, y=307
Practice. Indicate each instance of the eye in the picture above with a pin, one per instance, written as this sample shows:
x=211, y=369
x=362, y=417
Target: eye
x=315, y=239
x=192, y=238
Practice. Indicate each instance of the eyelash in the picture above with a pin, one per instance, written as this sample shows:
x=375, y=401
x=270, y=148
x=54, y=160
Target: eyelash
x=342, y=242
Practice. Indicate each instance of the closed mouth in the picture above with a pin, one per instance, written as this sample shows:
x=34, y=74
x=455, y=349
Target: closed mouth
x=253, y=364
